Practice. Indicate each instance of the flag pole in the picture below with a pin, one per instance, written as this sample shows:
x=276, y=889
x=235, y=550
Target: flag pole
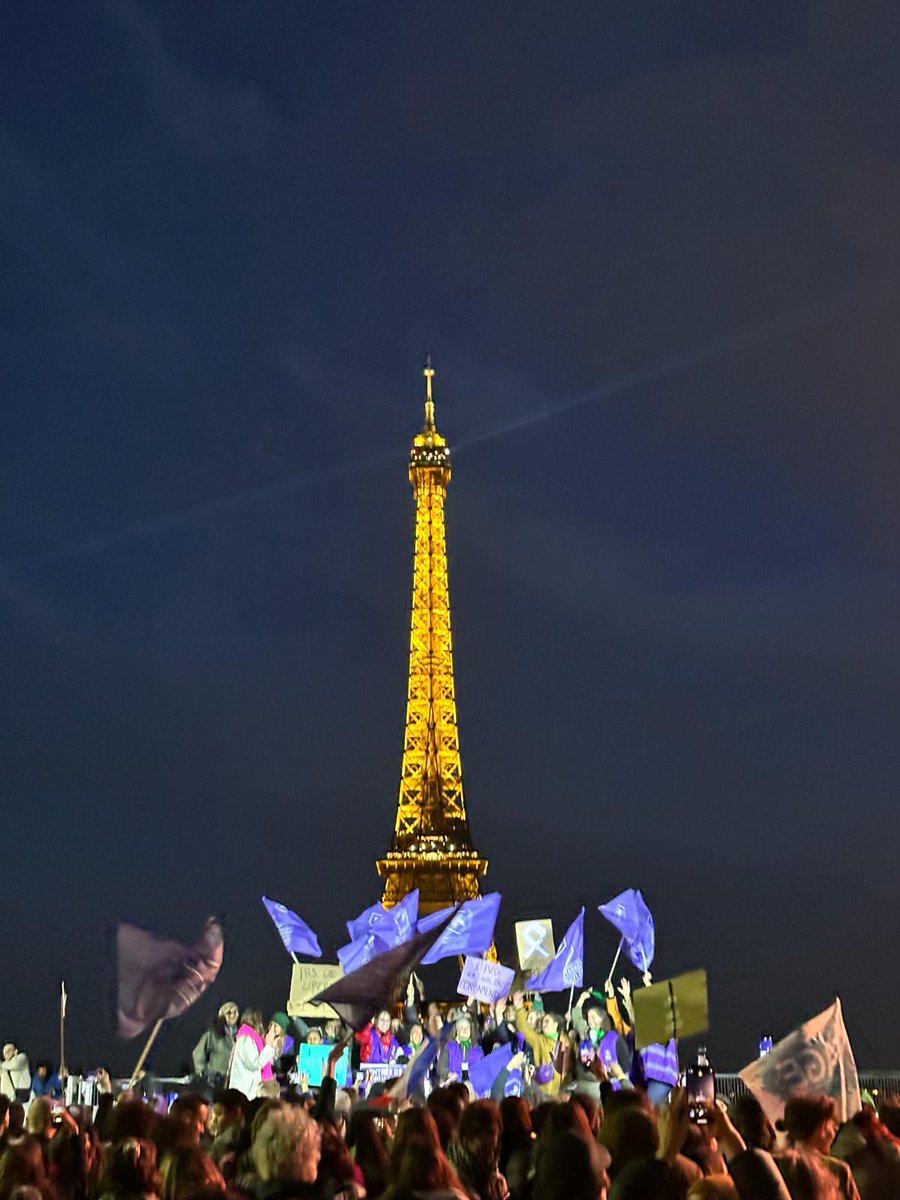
x=569, y=1013
x=616, y=959
x=62, y=1030
x=146, y=1050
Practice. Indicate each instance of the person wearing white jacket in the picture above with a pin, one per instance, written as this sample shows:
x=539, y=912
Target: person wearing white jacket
x=253, y=1054
x=15, y=1073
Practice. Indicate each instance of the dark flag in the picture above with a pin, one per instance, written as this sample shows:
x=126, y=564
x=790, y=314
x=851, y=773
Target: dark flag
x=360, y=995
x=159, y=978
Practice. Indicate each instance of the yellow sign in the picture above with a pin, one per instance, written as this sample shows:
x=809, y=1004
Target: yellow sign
x=534, y=943
x=307, y=980
x=674, y=1008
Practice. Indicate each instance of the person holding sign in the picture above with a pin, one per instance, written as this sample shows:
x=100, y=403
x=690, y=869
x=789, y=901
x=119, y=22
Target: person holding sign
x=543, y=1045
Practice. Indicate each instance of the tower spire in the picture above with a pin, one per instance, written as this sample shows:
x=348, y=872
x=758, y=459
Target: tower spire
x=428, y=372
x=431, y=848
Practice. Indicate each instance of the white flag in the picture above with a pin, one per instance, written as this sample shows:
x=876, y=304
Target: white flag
x=815, y=1059
x=63, y=997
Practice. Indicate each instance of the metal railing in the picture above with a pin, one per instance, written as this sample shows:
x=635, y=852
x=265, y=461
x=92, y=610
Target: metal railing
x=879, y=1083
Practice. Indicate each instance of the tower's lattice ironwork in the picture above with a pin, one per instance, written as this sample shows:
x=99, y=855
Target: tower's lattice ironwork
x=432, y=847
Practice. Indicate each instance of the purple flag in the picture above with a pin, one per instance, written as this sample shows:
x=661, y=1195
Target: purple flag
x=159, y=978
x=484, y=1071
x=566, y=968
x=297, y=936
x=471, y=930
x=633, y=919
x=378, y=929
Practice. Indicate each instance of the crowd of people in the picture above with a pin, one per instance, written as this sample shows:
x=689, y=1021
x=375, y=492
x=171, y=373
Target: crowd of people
x=571, y=1113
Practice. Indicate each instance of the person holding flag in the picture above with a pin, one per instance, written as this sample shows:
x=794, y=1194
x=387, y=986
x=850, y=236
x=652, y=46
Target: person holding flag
x=544, y=1045
x=377, y=1043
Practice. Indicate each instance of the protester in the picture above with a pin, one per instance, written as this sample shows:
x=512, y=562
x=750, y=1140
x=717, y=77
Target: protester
x=254, y=1052
x=212, y=1054
x=15, y=1074
x=45, y=1081
x=810, y=1123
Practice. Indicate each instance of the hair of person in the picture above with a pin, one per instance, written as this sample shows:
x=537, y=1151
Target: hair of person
x=517, y=1133
x=713, y=1187
x=805, y=1176
x=593, y=1109
x=233, y=1103
x=335, y=1163
x=413, y=1125
x=628, y=1134
x=21, y=1166
x=131, y=1119
x=40, y=1115
x=424, y=1168
x=286, y=1136
x=804, y=1114
x=445, y=1120
x=186, y=1170
x=479, y=1118
x=889, y=1115
x=130, y=1168
x=567, y=1169
x=4, y=1107
x=366, y=1140
x=254, y=1018
x=16, y=1118
x=646, y=1179
x=223, y=1008
x=751, y=1122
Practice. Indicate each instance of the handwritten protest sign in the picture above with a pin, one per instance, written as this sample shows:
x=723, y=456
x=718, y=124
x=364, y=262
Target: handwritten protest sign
x=534, y=943
x=307, y=980
x=816, y=1058
x=673, y=1008
x=486, y=981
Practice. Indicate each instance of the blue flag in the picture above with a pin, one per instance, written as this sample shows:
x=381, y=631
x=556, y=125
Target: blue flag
x=471, y=930
x=633, y=919
x=297, y=936
x=378, y=929
x=484, y=1071
x=566, y=968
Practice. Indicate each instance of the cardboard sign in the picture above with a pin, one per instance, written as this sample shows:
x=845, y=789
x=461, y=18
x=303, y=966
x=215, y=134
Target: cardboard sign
x=486, y=981
x=307, y=980
x=673, y=1008
x=311, y=1061
x=534, y=943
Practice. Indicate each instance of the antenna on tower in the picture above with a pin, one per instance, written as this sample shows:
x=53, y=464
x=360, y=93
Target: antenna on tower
x=428, y=372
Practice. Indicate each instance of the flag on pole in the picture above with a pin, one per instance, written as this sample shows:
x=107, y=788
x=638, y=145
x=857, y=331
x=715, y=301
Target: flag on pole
x=297, y=936
x=416, y=1070
x=629, y=913
x=377, y=929
x=814, y=1058
x=566, y=968
x=470, y=930
x=357, y=997
x=158, y=978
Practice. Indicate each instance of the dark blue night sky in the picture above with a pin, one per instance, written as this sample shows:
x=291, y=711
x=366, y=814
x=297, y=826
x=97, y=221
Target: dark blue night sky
x=653, y=250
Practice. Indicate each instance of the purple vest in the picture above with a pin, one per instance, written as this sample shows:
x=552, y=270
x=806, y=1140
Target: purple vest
x=455, y=1060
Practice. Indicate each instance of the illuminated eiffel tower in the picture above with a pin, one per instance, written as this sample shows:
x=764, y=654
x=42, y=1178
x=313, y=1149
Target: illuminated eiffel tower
x=431, y=848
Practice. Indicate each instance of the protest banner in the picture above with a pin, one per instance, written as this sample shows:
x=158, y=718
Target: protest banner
x=814, y=1058
x=312, y=1060
x=307, y=980
x=486, y=981
x=672, y=1008
x=534, y=944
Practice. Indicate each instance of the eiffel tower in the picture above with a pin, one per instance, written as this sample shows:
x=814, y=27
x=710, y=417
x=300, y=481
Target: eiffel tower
x=432, y=847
